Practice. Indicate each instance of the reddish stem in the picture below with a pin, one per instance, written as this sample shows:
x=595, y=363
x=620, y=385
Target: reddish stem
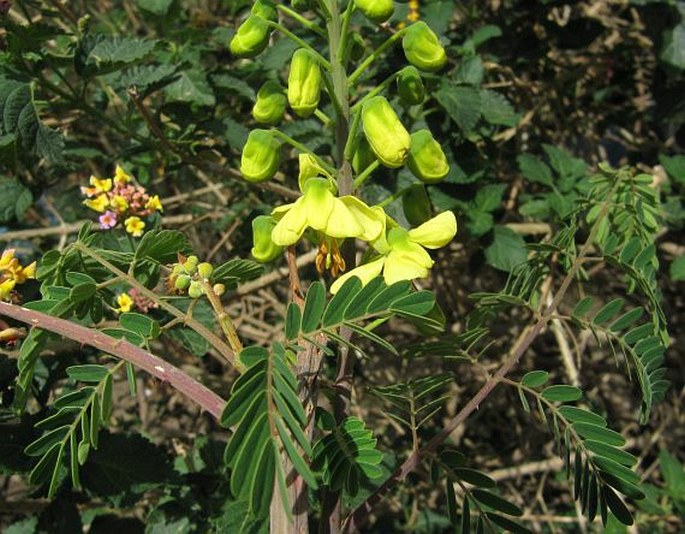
x=166, y=372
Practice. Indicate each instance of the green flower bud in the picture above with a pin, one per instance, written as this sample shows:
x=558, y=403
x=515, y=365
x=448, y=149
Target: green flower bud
x=416, y=205
x=251, y=37
x=422, y=47
x=182, y=282
x=264, y=249
x=195, y=290
x=304, y=83
x=385, y=133
x=376, y=10
x=190, y=265
x=363, y=156
x=265, y=10
x=261, y=156
x=178, y=269
x=410, y=86
x=426, y=159
x=270, y=105
x=205, y=269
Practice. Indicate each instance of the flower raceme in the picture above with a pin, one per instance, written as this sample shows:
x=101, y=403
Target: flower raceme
x=120, y=201
x=318, y=208
x=402, y=252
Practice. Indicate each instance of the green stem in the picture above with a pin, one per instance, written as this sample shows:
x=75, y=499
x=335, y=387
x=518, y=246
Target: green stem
x=303, y=148
x=290, y=35
x=350, y=145
x=366, y=174
x=375, y=55
x=299, y=18
x=210, y=336
x=392, y=198
x=345, y=33
x=375, y=91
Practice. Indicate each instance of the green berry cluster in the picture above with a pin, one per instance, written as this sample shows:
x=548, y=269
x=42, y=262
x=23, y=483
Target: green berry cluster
x=191, y=276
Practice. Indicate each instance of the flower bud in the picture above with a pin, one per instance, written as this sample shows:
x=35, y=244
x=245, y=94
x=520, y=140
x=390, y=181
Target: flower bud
x=205, y=269
x=422, y=47
x=410, y=86
x=190, y=265
x=251, y=37
x=265, y=10
x=182, y=282
x=304, y=83
x=195, y=290
x=264, y=249
x=376, y=10
x=426, y=159
x=219, y=289
x=385, y=133
x=261, y=156
x=270, y=105
x=416, y=205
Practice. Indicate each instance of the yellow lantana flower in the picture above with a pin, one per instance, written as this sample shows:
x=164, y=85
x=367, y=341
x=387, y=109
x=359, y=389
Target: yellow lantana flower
x=154, y=204
x=121, y=176
x=99, y=203
x=320, y=209
x=125, y=303
x=134, y=226
x=118, y=203
x=101, y=185
x=403, y=256
x=12, y=273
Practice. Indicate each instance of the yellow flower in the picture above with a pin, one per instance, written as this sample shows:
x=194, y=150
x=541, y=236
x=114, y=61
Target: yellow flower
x=154, y=204
x=125, y=303
x=320, y=209
x=403, y=256
x=101, y=185
x=121, y=176
x=134, y=226
x=6, y=288
x=24, y=273
x=118, y=203
x=99, y=203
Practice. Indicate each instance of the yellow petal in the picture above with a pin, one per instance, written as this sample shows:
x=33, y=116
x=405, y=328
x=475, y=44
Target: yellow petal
x=371, y=219
x=292, y=224
x=400, y=265
x=436, y=232
x=318, y=202
x=342, y=222
x=365, y=273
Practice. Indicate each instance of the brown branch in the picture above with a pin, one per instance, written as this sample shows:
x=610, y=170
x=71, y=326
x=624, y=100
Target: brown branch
x=166, y=372
x=359, y=515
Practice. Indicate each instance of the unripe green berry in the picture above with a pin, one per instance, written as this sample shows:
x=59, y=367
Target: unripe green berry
x=205, y=269
x=195, y=290
x=182, y=282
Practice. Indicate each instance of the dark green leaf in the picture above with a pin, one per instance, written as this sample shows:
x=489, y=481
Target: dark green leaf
x=162, y=246
x=608, y=311
x=598, y=433
x=496, y=503
x=463, y=104
x=617, y=507
x=474, y=477
x=580, y=415
x=534, y=170
x=507, y=524
x=535, y=379
x=87, y=372
x=561, y=393
x=140, y=324
x=293, y=321
x=314, y=305
x=507, y=251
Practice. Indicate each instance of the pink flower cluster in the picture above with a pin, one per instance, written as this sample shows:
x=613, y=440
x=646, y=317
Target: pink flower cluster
x=120, y=200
